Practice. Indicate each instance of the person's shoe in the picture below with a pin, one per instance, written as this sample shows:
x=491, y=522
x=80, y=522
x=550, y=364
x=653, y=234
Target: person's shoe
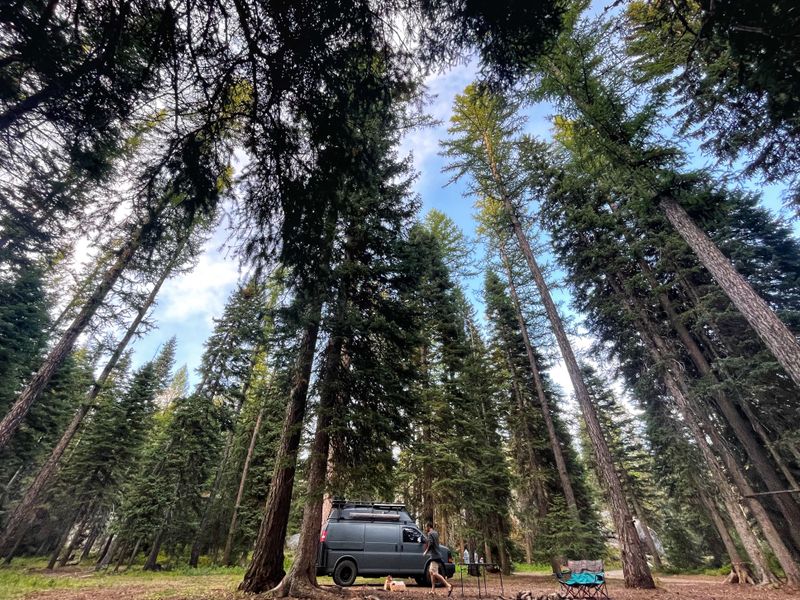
x=450, y=591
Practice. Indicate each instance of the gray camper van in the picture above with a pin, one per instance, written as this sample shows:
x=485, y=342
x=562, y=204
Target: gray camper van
x=374, y=540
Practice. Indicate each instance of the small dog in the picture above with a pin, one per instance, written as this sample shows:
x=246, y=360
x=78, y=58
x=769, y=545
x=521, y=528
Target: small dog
x=390, y=585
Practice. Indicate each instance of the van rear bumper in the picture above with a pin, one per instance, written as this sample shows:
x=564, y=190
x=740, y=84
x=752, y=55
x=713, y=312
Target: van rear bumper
x=449, y=570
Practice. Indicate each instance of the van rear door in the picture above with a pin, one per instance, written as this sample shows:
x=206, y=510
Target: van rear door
x=345, y=536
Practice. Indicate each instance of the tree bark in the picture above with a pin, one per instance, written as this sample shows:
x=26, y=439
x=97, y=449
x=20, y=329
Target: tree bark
x=152, y=558
x=94, y=533
x=194, y=554
x=502, y=555
x=740, y=573
x=660, y=352
x=743, y=430
x=23, y=512
x=134, y=552
x=62, y=348
x=533, y=463
x=636, y=572
x=120, y=556
x=301, y=579
x=266, y=569
x=107, y=552
x=769, y=444
x=555, y=443
x=61, y=541
x=649, y=542
x=226, y=556
x=76, y=538
x=104, y=550
x=773, y=332
x=739, y=425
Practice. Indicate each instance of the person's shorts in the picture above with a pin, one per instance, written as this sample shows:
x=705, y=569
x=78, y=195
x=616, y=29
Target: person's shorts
x=433, y=568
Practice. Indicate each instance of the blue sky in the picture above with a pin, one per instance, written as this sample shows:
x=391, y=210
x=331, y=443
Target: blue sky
x=188, y=303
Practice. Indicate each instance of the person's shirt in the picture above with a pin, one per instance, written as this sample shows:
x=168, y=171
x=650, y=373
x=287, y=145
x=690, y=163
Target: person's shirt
x=466, y=556
x=433, y=544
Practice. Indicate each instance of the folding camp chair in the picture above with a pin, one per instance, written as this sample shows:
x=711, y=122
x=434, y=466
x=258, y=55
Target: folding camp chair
x=583, y=579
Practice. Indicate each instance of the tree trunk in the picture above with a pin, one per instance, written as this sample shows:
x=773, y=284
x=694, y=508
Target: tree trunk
x=102, y=563
x=10, y=555
x=120, y=556
x=152, y=559
x=17, y=522
x=771, y=533
x=62, y=348
x=739, y=568
x=661, y=353
x=555, y=443
x=636, y=572
x=301, y=580
x=61, y=541
x=266, y=569
x=649, y=542
x=533, y=462
x=773, y=332
x=194, y=554
x=107, y=552
x=502, y=555
x=743, y=430
x=94, y=533
x=226, y=556
x=76, y=538
x=774, y=452
x=134, y=552
x=739, y=425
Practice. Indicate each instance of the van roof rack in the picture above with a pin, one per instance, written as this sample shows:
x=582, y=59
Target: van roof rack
x=388, y=506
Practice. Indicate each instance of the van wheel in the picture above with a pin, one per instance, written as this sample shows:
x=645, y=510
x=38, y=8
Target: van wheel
x=345, y=573
x=422, y=581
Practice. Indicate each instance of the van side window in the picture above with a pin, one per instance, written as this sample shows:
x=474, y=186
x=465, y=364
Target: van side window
x=411, y=536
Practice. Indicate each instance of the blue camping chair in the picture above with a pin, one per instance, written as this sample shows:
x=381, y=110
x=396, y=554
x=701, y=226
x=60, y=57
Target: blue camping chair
x=583, y=579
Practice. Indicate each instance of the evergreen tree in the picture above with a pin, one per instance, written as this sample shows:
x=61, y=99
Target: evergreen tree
x=162, y=500
x=595, y=92
x=731, y=68
x=631, y=459
x=483, y=147
x=548, y=532
x=102, y=460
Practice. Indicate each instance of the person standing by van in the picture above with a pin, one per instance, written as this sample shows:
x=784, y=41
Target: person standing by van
x=432, y=549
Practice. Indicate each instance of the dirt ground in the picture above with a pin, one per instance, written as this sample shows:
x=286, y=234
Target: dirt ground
x=214, y=587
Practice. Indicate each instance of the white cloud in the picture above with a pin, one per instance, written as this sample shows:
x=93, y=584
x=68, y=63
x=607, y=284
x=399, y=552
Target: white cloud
x=201, y=292
x=423, y=143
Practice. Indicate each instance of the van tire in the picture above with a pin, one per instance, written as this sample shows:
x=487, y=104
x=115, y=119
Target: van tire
x=345, y=573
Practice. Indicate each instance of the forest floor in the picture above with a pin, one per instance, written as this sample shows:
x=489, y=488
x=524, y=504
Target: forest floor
x=220, y=584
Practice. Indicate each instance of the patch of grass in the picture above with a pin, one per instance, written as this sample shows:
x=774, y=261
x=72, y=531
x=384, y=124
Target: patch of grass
x=16, y=582
x=544, y=568
x=27, y=576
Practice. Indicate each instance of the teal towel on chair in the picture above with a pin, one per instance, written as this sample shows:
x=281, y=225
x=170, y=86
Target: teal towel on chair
x=583, y=579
